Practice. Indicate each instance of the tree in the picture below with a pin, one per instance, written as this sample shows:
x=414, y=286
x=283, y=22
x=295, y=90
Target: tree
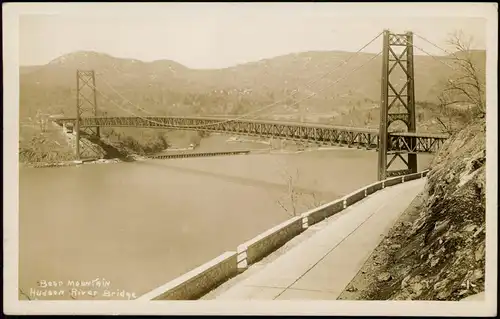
x=42, y=120
x=465, y=90
x=162, y=140
x=295, y=199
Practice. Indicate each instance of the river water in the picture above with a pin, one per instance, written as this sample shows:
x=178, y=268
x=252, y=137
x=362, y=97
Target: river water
x=139, y=225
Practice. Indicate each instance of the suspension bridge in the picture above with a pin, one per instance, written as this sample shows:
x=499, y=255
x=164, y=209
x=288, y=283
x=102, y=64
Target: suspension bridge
x=396, y=104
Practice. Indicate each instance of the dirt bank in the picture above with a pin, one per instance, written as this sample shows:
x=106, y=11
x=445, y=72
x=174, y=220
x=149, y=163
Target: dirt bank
x=436, y=251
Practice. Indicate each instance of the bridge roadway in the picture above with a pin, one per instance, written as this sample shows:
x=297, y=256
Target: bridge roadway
x=322, y=265
x=317, y=133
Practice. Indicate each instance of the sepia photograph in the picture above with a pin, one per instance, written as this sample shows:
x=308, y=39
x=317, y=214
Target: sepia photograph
x=207, y=158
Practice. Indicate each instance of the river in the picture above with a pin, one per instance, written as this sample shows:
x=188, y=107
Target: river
x=139, y=225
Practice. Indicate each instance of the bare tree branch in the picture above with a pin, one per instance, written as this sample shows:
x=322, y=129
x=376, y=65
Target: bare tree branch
x=464, y=91
x=446, y=129
x=290, y=213
x=448, y=103
x=467, y=87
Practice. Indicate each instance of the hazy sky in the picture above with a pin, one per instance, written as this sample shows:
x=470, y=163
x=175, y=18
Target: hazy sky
x=220, y=35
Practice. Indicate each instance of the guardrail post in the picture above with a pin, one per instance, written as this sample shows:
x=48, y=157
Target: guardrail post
x=241, y=258
x=305, y=221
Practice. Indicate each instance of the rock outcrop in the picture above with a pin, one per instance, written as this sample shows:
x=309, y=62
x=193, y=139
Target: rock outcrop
x=440, y=253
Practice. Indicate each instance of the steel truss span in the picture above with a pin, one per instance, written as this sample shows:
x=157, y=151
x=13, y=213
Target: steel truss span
x=317, y=133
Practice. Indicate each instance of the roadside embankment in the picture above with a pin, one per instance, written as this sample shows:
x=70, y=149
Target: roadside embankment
x=436, y=251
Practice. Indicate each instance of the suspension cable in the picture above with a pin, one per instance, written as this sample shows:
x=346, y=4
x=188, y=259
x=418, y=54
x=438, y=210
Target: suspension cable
x=243, y=116
x=234, y=119
x=123, y=97
x=454, y=69
x=238, y=118
x=276, y=102
x=299, y=101
x=123, y=109
x=444, y=50
x=434, y=57
x=435, y=45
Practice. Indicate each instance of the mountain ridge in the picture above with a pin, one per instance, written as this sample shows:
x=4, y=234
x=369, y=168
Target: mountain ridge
x=97, y=53
x=103, y=54
x=168, y=87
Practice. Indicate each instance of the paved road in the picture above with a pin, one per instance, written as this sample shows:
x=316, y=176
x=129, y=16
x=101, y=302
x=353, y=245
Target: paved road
x=323, y=265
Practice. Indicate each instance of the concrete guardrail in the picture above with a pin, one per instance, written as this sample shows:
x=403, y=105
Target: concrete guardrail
x=257, y=248
x=393, y=181
x=198, y=281
x=372, y=188
x=354, y=197
x=203, y=279
x=317, y=214
x=411, y=177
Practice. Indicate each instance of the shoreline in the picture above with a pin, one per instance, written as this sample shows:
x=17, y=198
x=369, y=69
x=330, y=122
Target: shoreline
x=79, y=162
x=136, y=157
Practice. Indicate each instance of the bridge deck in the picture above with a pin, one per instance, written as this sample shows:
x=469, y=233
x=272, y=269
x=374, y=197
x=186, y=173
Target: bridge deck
x=213, y=120
x=318, y=133
x=419, y=134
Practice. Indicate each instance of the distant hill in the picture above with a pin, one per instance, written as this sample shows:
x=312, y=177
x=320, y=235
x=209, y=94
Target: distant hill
x=167, y=87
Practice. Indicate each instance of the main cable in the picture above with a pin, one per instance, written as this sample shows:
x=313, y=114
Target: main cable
x=238, y=118
x=274, y=103
x=432, y=56
x=299, y=101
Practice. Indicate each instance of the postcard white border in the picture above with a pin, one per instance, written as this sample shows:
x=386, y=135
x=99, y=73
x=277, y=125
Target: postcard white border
x=12, y=305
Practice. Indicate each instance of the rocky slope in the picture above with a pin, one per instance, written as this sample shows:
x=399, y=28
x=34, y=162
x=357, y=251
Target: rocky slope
x=436, y=251
x=451, y=228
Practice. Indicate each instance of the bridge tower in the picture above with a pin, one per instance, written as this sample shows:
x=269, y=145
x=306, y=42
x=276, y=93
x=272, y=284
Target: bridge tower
x=397, y=102
x=86, y=105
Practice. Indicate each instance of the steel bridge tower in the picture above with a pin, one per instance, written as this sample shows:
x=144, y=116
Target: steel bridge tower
x=86, y=105
x=397, y=103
